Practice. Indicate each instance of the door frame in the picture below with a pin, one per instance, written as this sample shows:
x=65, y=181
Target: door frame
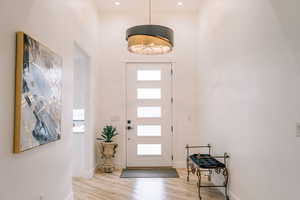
x=172, y=106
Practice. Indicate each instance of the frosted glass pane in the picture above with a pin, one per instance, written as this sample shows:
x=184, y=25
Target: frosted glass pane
x=78, y=121
x=78, y=129
x=149, y=112
x=148, y=149
x=78, y=114
x=148, y=75
x=149, y=130
x=148, y=93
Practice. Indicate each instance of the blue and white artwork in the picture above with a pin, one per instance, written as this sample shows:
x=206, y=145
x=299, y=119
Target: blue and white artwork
x=41, y=95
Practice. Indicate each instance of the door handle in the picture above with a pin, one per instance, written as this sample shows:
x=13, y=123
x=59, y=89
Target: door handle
x=129, y=128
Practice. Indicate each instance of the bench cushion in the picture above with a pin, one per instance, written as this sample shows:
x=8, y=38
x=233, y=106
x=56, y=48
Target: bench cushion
x=206, y=161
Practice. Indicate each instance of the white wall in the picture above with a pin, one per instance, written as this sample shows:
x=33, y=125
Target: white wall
x=44, y=170
x=248, y=93
x=112, y=78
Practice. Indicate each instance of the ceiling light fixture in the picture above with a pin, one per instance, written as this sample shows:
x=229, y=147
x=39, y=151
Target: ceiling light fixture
x=150, y=39
x=179, y=3
x=117, y=3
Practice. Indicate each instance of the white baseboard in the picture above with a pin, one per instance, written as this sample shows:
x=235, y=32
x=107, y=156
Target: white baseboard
x=179, y=164
x=120, y=165
x=85, y=173
x=70, y=196
x=233, y=196
x=219, y=181
x=89, y=173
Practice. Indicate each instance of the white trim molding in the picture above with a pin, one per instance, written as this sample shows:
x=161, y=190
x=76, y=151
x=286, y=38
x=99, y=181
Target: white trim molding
x=233, y=196
x=89, y=173
x=179, y=164
x=70, y=196
x=218, y=181
x=84, y=173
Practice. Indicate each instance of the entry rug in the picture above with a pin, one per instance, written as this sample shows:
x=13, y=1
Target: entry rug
x=150, y=173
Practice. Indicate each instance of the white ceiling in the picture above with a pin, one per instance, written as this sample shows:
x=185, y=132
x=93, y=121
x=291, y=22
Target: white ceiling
x=157, y=5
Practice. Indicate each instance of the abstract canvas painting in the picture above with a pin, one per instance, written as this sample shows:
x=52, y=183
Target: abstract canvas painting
x=38, y=94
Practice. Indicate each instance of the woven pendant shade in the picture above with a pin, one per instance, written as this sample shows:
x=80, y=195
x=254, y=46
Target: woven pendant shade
x=150, y=39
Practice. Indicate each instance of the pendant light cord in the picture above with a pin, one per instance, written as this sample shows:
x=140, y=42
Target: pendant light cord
x=150, y=7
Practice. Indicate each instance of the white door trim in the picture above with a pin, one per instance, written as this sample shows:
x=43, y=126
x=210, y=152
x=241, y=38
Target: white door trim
x=172, y=63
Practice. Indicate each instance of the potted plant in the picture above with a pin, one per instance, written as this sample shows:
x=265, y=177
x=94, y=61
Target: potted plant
x=108, y=147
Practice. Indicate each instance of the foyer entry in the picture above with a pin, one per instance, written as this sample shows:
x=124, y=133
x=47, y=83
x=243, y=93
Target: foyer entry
x=149, y=114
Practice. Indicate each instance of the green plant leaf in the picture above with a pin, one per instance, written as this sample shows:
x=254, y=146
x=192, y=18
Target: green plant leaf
x=108, y=132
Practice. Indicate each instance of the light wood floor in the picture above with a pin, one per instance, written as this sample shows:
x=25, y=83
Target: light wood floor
x=111, y=187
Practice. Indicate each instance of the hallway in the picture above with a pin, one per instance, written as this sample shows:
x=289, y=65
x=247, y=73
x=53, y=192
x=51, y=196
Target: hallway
x=111, y=187
x=91, y=85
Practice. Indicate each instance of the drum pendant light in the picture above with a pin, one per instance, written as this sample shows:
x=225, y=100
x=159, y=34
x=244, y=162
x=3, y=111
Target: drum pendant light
x=150, y=39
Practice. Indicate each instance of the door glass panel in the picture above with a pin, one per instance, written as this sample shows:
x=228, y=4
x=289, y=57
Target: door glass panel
x=149, y=130
x=78, y=121
x=148, y=93
x=148, y=149
x=148, y=75
x=78, y=115
x=149, y=112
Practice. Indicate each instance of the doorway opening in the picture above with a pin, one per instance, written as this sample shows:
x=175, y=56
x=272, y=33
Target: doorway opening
x=81, y=77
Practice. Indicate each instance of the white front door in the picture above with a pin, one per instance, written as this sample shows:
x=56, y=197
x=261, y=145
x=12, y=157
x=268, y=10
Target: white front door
x=149, y=114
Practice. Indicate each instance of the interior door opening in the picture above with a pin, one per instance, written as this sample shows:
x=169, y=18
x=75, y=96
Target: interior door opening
x=81, y=76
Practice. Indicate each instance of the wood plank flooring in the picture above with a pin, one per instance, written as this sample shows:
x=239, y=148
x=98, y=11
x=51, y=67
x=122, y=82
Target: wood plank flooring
x=111, y=187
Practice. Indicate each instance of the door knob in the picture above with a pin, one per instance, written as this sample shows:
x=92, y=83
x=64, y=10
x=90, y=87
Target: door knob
x=129, y=127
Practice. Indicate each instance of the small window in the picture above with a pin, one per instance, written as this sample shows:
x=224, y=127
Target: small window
x=148, y=75
x=149, y=149
x=148, y=93
x=78, y=115
x=78, y=121
x=149, y=130
x=149, y=112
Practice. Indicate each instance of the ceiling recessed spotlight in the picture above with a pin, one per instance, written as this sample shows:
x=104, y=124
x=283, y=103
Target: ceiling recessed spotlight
x=117, y=3
x=179, y=3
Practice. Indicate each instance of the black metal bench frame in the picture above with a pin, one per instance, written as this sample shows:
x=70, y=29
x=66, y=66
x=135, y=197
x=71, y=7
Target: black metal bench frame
x=195, y=169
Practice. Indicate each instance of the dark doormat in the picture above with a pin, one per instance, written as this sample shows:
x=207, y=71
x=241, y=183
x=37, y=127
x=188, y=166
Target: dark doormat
x=150, y=173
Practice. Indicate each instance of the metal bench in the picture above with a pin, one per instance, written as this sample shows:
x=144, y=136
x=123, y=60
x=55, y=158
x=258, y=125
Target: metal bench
x=201, y=164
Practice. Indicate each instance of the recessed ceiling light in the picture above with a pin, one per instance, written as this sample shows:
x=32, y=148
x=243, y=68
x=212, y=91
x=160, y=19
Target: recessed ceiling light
x=179, y=3
x=117, y=3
